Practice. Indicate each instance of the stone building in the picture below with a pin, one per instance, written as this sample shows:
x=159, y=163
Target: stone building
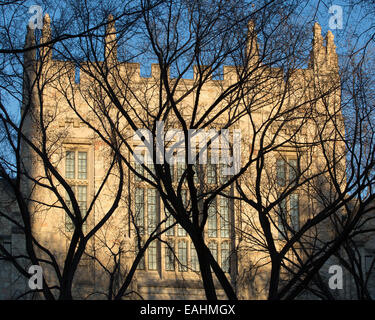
x=67, y=97
x=12, y=283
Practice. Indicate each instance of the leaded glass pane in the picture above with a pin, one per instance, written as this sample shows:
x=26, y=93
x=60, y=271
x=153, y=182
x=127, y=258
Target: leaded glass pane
x=82, y=199
x=169, y=256
x=280, y=172
x=196, y=169
x=180, y=230
x=169, y=222
x=294, y=211
x=292, y=170
x=224, y=217
x=193, y=258
x=282, y=218
x=82, y=165
x=213, y=248
x=139, y=209
x=70, y=165
x=151, y=210
x=222, y=173
x=141, y=265
x=225, y=256
x=181, y=167
x=211, y=173
x=151, y=167
x=152, y=256
x=212, y=220
x=138, y=166
x=182, y=256
x=69, y=225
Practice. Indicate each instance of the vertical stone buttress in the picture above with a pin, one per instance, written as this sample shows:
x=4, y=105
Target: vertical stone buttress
x=46, y=51
x=29, y=102
x=252, y=49
x=110, y=42
x=327, y=85
x=29, y=71
x=34, y=72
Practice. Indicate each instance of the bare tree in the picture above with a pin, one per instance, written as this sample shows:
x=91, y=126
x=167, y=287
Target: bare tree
x=83, y=99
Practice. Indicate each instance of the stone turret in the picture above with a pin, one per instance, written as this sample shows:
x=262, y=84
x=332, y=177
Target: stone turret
x=110, y=52
x=29, y=103
x=332, y=60
x=252, y=49
x=29, y=60
x=29, y=55
x=323, y=57
x=46, y=51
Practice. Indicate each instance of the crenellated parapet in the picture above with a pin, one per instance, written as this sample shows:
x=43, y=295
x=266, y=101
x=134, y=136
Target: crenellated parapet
x=323, y=66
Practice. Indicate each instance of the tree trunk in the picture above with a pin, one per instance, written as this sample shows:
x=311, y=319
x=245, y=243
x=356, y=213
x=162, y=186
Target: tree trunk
x=205, y=268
